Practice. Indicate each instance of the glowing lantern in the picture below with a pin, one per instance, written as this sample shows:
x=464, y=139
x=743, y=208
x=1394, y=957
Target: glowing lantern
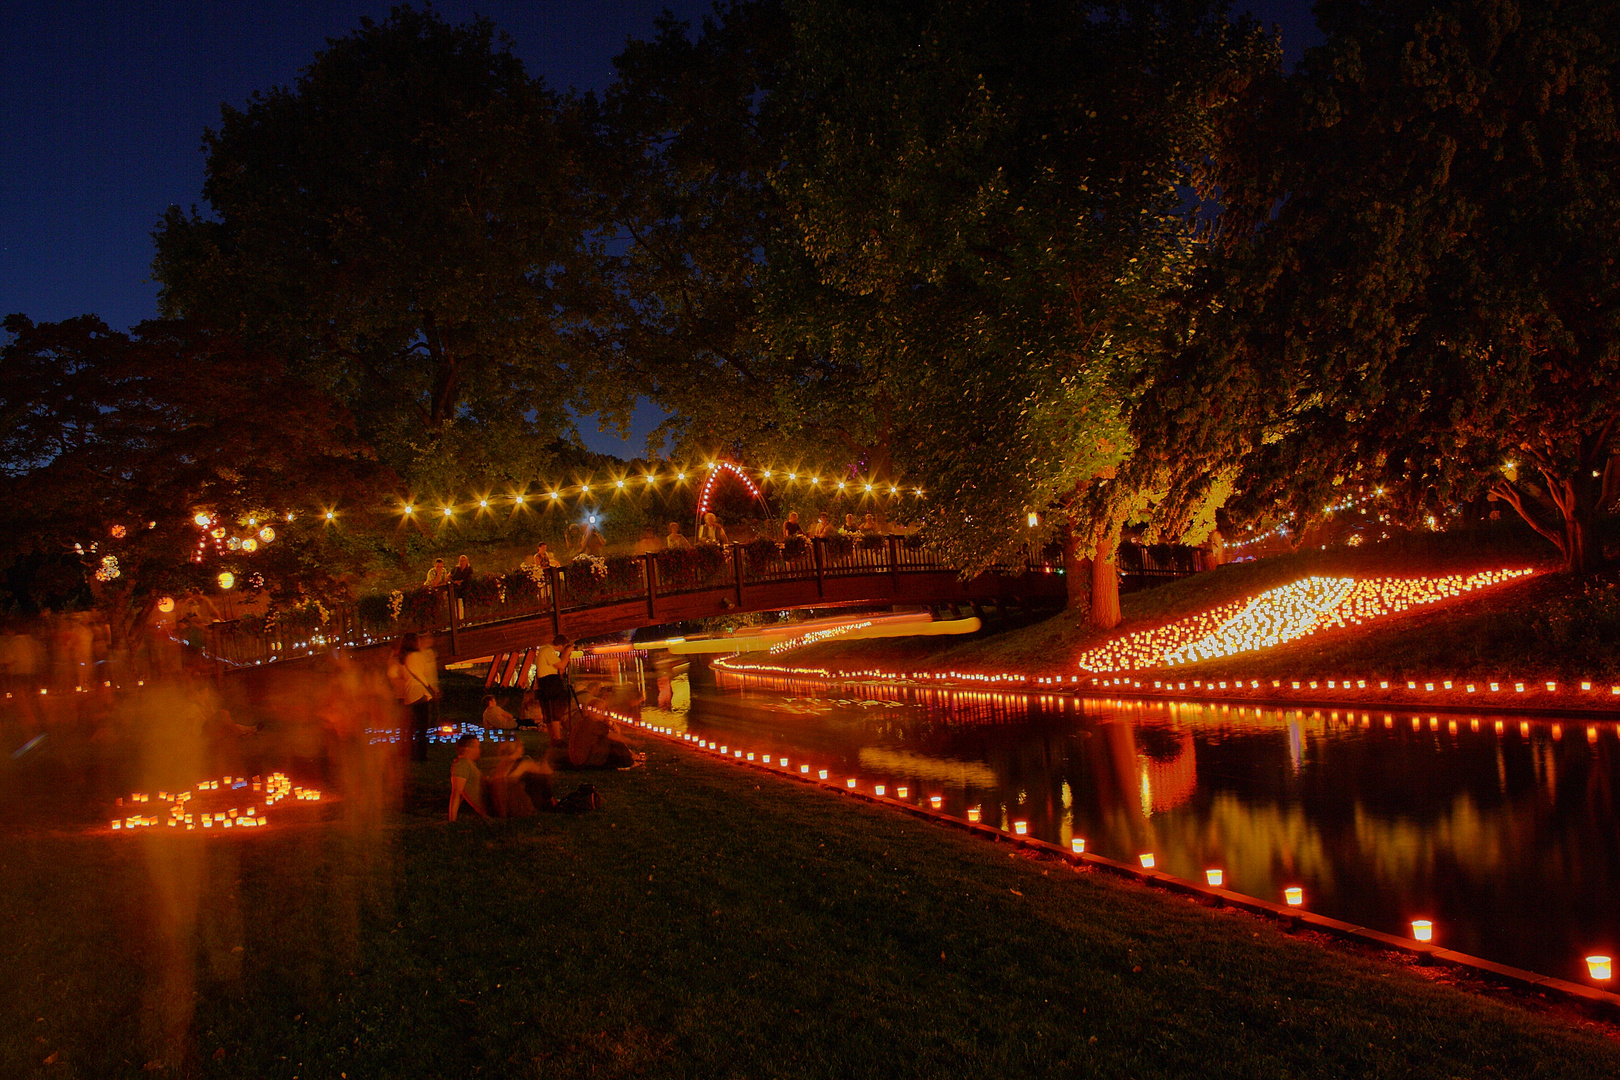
x=822, y=775
x=1422, y=930
x=227, y=580
x=1294, y=895
x=1021, y=827
x=974, y=813
x=1078, y=845
x=804, y=770
x=850, y=783
x=935, y=801
x=165, y=604
x=1599, y=967
x=203, y=520
x=1215, y=877
x=218, y=534
x=880, y=789
x=250, y=545
x=901, y=792
x=1146, y=859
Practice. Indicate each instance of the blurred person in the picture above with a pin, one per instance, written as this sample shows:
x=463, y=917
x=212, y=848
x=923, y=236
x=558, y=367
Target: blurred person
x=460, y=578
x=790, y=528
x=542, y=557
x=850, y=528
x=551, y=685
x=673, y=539
x=437, y=575
x=822, y=527
x=519, y=784
x=648, y=544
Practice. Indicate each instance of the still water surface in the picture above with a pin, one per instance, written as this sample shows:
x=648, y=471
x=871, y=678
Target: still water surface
x=1500, y=829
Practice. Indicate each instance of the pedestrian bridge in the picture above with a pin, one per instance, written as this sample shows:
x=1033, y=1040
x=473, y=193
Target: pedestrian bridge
x=517, y=611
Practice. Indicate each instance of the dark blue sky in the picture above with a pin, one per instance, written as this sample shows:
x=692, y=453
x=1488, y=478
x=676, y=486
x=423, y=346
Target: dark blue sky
x=102, y=108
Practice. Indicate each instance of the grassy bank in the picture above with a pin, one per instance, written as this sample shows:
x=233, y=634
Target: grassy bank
x=1546, y=627
x=708, y=921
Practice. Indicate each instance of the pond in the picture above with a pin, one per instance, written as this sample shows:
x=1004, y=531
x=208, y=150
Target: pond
x=1500, y=829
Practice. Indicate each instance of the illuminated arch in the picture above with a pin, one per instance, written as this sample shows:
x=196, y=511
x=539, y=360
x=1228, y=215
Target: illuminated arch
x=716, y=473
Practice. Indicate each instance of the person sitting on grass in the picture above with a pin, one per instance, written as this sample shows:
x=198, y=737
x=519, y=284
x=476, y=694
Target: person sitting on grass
x=466, y=782
x=496, y=718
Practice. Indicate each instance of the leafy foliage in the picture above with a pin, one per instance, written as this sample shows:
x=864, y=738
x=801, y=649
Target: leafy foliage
x=397, y=224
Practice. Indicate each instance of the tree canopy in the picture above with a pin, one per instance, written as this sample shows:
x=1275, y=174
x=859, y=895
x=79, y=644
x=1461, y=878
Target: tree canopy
x=1419, y=291
x=399, y=226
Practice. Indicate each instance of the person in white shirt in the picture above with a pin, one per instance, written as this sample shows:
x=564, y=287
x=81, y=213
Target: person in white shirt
x=418, y=689
x=496, y=718
x=673, y=539
x=551, y=684
x=711, y=531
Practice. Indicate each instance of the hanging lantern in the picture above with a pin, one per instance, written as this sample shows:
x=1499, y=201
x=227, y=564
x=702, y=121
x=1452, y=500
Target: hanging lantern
x=234, y=544
x=267, y=534
x=203, y=520
x=218, y=534
x=250, y=545
x=165, y=604
x=118, y=532
x=227, y=580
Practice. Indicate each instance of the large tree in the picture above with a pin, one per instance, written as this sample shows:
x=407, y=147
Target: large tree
x=988, y=208
x=1421, y=290
x=114, y=443
x=398, y=224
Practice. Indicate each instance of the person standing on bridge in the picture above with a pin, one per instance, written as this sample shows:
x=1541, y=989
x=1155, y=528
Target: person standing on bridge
x=437, y=575
x=712, y=532
x=790, y=528
x=673, y=539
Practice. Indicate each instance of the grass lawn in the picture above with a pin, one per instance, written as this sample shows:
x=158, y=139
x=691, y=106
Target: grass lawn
x=709, y=921
x=1546, y=627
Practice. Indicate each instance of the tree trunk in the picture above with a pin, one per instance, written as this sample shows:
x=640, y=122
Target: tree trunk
x=1105, y=581
x=1076, y=572
x=1567, y=514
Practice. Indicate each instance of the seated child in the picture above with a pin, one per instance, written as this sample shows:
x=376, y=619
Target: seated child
x=496, y=718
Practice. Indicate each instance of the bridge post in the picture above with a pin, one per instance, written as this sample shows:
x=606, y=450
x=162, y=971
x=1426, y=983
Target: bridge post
x=450, y=594
x=649, y=568
x=894, y=563
x=554, y=583
x=737, y=571
x=816, y=550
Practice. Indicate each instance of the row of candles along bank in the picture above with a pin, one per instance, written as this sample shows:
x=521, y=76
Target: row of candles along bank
x=1075, y=682
x=275, y=788
x=1599, y=968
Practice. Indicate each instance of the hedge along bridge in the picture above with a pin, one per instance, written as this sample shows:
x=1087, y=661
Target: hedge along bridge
x=511, y=612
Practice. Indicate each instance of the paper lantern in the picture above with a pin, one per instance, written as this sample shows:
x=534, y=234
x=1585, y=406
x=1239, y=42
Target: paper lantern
x=227, y=580
x=880, y=789
x=935, y=801
x=974, y=813
x=1599, y=967
x=850, y=783
x=901, y=792
x=1214, y=877
x=1422, y=930
x=1021, y=827
x=1146, y=859
x=1294, y=895
x=1078, y=845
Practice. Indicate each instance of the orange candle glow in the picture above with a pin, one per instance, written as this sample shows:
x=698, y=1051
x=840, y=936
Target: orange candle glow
x=936, y=800
x=1146, y=859
x=901, y=792
x=1422, y=930
x=850, y=783
x=1021, y=827
x=1215, y=877
x=881, y=788
x=1599, y=967
x=973, y=813
x=1078, y=845
x=1294, y=895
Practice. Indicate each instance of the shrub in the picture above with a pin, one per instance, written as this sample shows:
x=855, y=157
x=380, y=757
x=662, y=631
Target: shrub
x=762, y=552
x=795, y=547
x=374, y=609
x=837, y=545
x=690, y=568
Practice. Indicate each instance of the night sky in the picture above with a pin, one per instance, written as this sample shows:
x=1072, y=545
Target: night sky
x=103, y=105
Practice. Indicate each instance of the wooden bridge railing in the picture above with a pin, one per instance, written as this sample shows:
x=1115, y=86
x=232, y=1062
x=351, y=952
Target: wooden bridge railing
x=556, y=592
